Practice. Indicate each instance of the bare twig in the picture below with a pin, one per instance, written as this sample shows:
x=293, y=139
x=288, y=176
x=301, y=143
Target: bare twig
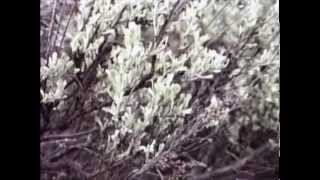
x=91, y=110
x=160, y=174
x=119, y=16
x=236, y=165
x=88, y=18
x=217, y=14
x=143, y=82
x=63, y=165
x=68, y=23
x=68, y=136
x=51, y=29
x=53, y=46
x=170, y=17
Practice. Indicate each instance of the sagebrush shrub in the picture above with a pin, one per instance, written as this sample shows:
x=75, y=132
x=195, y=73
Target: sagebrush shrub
x=151, y=75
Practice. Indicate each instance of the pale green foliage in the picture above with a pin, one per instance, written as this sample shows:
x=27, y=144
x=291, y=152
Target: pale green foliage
x=55, y=73
x=165, y=103
x=268, y=79
x=163, y=100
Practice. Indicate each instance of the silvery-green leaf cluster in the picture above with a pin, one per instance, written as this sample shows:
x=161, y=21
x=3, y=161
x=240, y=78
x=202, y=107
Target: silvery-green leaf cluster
x=55, y=73
x=144, y=118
